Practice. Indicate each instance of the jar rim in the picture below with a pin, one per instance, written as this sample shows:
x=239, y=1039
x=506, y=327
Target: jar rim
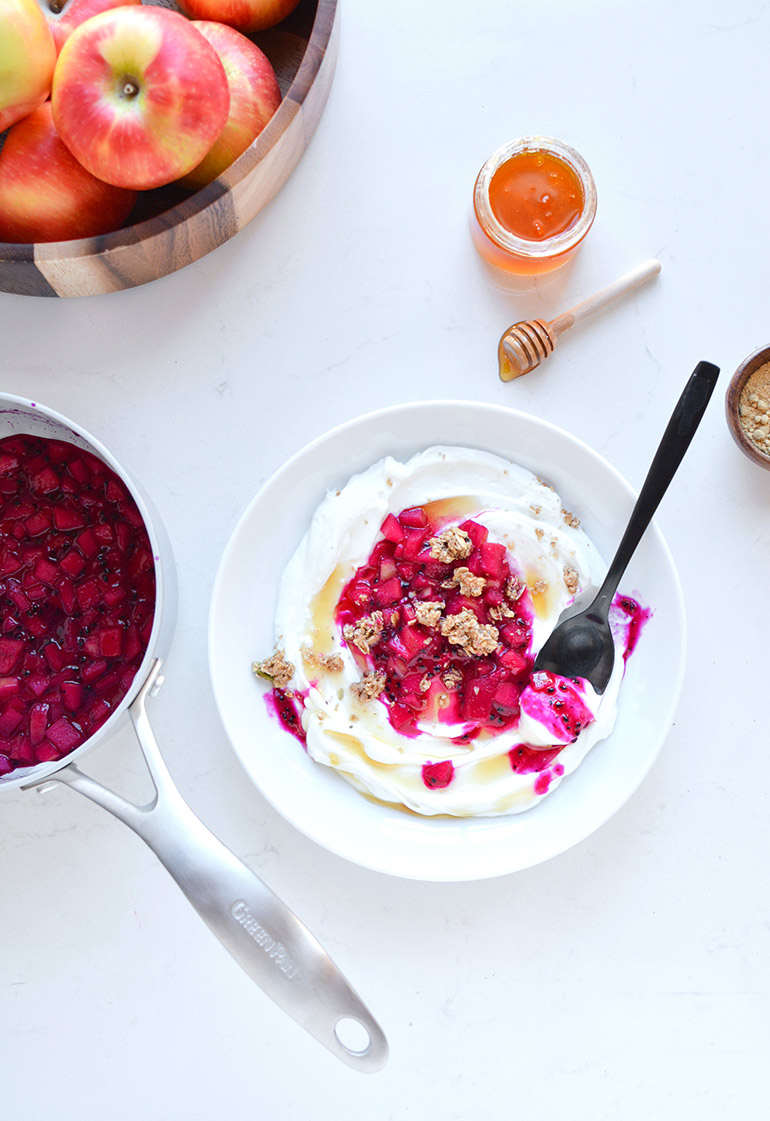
x=550, y=246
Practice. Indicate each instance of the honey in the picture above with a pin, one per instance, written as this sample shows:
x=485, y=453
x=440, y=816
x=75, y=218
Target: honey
x=534, y=202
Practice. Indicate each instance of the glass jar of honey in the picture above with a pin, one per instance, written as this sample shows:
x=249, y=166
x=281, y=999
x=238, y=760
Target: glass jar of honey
x=533, y=203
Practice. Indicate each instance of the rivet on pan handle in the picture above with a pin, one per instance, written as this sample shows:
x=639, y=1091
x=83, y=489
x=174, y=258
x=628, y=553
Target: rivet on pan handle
x=263, y=935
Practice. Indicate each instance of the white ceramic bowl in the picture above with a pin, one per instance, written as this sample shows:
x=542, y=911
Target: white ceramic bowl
x=320, y=802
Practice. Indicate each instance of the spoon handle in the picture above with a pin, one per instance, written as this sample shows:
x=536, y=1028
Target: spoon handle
x=685, y=419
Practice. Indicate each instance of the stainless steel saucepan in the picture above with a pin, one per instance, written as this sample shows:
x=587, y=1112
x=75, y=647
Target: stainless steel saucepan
x=277, y=951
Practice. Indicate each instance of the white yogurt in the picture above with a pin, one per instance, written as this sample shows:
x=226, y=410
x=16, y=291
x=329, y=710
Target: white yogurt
x=355, y=737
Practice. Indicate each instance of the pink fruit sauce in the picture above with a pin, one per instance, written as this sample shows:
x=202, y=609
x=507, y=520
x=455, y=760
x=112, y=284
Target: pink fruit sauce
x=77, y=597
x=430, y=679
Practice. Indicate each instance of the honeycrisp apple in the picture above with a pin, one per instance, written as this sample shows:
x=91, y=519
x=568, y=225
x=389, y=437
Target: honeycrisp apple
x=64, y=16
x=45, y=194
x=27, y=59
x=139, y=96
x=245, y=15
x=254, y=97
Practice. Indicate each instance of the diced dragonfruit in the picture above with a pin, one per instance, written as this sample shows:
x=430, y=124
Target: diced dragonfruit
x=63, y=735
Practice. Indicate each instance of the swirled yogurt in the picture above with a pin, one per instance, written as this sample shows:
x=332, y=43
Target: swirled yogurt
x=407, y=626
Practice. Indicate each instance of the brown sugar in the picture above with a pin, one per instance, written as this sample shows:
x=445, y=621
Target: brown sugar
x=754, y=408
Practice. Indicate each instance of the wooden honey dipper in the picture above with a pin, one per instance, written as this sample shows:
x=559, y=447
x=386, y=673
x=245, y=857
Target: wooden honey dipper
x=524, y=345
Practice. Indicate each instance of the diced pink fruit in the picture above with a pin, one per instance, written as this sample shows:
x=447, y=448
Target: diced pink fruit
x=114, y=595
x=79, y=471
x=477, y=701
x=87, y=543
x=400, y=716
x=115, y=491
x=45, y=480
x=477, y=533
x=6, y=766
x=54, y=655
x=22, y=752
x=436, y=776
x=507, y=694
x=515, y=635
x=66, y=591
x=46, y=571
x=19, y=511
x=72, y=695
x=515, y=662
x=99, y=711
x=493, y=559
x=63, y=735
x=73, y=562
x=38, y=722
x=10, y=652
x=414, y=540
x=37, y=524
x=10, y=719
x=88, y=593
x=92, y=670
x=47, y=752
x=132, y=645
x=392, y=530
x=140, y=563
x=103, y=533
x=37, y=685
x=68, y=518
x=10, y=562
x=389, y=592
x=412, y=639
x=414, y=516
x=8, y=686
x=387, y=568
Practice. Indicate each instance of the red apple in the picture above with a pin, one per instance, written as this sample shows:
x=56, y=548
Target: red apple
x=245, y=15
x=27, y=59
x=45, y=194
x=139, y=96
x=65, y=15
x=254, y=97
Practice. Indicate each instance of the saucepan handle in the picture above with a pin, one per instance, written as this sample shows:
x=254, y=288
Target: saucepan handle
x=263, y=935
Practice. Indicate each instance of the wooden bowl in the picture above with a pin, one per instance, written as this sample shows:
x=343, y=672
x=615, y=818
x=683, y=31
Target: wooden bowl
x=171, y=227
x=732, y=402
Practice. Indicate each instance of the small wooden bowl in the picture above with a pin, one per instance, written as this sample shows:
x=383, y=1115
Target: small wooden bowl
x=733, y=400
x=172, y=227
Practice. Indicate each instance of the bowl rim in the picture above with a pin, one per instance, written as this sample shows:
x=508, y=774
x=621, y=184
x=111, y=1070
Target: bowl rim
x=732, y=400
x=200, y=200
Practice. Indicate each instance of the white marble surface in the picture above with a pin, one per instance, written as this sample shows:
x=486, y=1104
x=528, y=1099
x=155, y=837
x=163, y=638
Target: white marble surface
x=628, y=977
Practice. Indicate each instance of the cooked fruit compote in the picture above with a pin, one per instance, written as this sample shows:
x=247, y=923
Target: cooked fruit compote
x=77, y=597
x=408, y=623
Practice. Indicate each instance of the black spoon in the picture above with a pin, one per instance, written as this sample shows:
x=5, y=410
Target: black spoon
x=581, y=645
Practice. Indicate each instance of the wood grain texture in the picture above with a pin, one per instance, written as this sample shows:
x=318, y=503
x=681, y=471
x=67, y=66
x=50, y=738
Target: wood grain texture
x=171, y=228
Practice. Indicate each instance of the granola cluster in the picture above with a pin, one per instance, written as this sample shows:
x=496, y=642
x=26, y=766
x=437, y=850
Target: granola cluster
x=466, y=631
x=276, y=669
x=369, y=687
x=450, y=545
x=367, y=632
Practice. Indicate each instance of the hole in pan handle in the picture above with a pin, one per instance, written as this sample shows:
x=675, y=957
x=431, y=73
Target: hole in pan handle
x=263, y=935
